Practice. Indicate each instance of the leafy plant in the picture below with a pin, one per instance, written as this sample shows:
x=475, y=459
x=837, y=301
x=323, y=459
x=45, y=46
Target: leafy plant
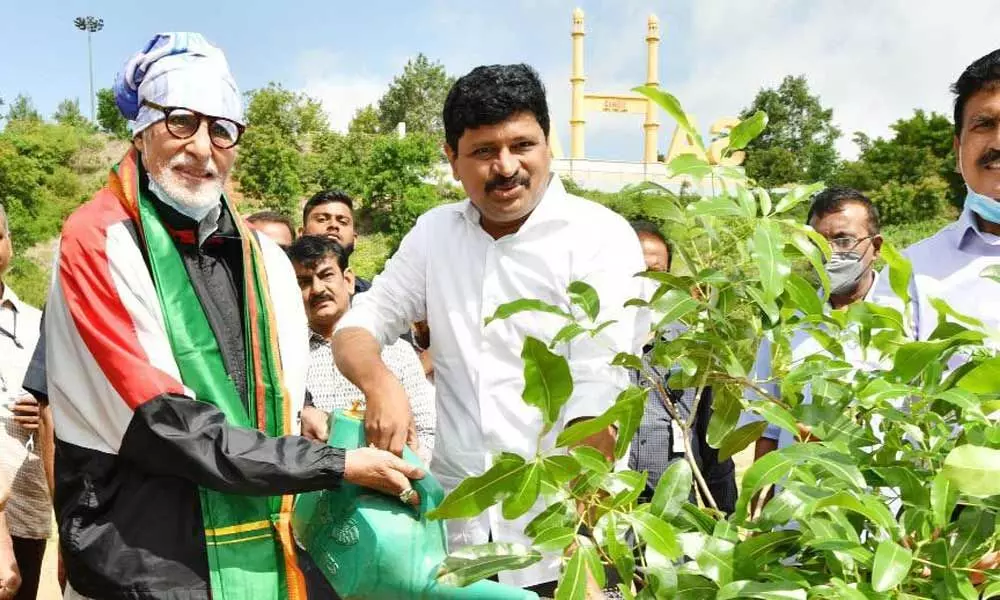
x=897, y=497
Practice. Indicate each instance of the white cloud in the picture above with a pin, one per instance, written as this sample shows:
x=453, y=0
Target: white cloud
x=872, y=62
x=342, y=90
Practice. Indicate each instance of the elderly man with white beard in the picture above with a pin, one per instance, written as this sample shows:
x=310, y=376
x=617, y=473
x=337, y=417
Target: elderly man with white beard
x=176, y=350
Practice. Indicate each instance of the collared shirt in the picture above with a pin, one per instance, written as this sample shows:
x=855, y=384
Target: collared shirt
x=331, y=391
x=802, y=346
x=947, y=266
x=451, y=273
x=29, y=511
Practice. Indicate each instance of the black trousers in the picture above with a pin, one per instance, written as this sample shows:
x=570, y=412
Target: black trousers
x=29, y=554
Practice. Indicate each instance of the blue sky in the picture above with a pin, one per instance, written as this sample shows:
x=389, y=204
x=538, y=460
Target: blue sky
x=872, y=62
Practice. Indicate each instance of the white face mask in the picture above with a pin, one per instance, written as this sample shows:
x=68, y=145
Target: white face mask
x=845, y=270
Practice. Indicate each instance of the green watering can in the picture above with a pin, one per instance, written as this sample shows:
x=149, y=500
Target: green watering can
x=373, y=547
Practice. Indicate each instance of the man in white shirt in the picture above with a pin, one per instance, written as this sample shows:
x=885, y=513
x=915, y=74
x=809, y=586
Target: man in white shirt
x=24, y=429
x=948, y=265
x=850, y=223
x=519, y=235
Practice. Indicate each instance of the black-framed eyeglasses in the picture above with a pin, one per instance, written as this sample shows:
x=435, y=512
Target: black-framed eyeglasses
x=183, y=123
x=847, y=243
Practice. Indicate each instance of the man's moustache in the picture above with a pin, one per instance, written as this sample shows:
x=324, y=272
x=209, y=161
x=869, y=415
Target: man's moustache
x=318, y=299
x=990, y=156
x=503, y=181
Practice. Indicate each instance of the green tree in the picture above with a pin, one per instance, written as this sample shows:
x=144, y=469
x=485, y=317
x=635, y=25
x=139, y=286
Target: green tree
x=798, y=144
x=416, y=97
x=109, y=118
x=68, y=113
x=274, y=165
x=23, y=109
x=919, y=155
x=365, y=121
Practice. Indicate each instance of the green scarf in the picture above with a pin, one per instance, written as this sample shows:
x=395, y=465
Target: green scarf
x=248, y=538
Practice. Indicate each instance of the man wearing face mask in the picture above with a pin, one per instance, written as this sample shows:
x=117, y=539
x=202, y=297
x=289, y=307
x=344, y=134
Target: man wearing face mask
x=850, y=223
x=176, y=349
x=948, y=265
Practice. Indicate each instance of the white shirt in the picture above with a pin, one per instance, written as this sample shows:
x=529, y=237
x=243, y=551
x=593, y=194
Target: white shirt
x=29, y=511
x=947, y=265
x=449, y=271
x=802, y=346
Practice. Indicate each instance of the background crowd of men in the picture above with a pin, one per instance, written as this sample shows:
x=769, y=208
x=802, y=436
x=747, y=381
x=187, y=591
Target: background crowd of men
x=177, y=392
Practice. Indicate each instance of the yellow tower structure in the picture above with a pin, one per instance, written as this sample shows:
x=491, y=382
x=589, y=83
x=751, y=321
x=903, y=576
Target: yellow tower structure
x=576, y=80
x=615, y=103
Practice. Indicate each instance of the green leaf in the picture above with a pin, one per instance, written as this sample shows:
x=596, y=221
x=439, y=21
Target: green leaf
x=591, y=459
x=975, y=470
x=991, y=272
x=967, y=402
x=476, y=494
x=739, y=439
x=900, y=272
x=912, y=358
x=775, y=415
x=774, y=265
x=473, y=563
x=746, y=130
x=760, y=550
x=548, y=383
x=801, y=240
x=695, y=587
x=629, y=416
x=768, y=470
x=774, y=590
x=716, y=560
x=718, y=206
x=672, y=490
x=673, y=306
x=868, y=507
x=747, y=202
x=554, y=539
x=892, y=563
x=992, y=590
x=525, y=494
x=795, y=196
x=658, y=534
x=765, y=201
x=689, y=164
x=625, y=487
x=802, y=295
x=673, y=108
x=568, y=333
x=510, y=309
x=944, y=496
x=560, y=468
x=561, y=513
x=585, y=296
x=573, y=584
x=984, y=378
x=769, y=306
x=975, y=526
x=836, y=464
x=726, y=409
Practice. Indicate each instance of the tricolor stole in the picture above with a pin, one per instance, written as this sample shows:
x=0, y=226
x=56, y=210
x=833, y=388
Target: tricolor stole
x=251, y=553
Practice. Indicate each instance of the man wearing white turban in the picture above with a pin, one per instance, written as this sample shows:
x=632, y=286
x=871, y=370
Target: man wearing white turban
x=176, y=349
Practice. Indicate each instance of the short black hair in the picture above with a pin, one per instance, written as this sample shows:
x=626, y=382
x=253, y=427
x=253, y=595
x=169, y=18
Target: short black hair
x=326, y=197
x=644, y=227
x=983, y=74
x=270, y=216
x=488, y=95
x=309, y=250
x=833, y=199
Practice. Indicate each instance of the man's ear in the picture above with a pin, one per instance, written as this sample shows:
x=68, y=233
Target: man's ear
x=877, y=246
x=138, y=143
x=452, y=157
x=349, y=280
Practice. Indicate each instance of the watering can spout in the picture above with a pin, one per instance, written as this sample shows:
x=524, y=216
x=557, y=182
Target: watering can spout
x=371, y=546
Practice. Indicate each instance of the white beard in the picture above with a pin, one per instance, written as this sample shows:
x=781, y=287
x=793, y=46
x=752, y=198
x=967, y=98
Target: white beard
x=194, y=203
